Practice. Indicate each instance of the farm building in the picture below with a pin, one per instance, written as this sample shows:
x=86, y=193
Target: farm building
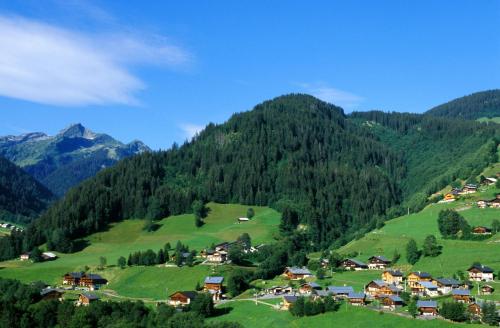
x=356, y=299
x=445, y=285
x=391, y=302
x=48, y=256
x=378, y=262
x=461, y=295
x=309, y=287
x=243, y=220
x=182, y=298
x=481, y=231
x=478, y=272
x=51, y=294
x=353, y=264
x=340, y=291
x=86, y=298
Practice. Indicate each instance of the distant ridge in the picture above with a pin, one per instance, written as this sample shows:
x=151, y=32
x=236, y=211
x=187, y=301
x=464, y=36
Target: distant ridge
x=64, y=160
x=484, y=104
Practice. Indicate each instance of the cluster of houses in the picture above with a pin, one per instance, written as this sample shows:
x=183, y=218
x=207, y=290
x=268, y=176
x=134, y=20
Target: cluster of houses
x=10, y=226
x=493, y=203
x=46, y=256
x=388, y=289
x=212, y=285
x=88, y=281
x=84, y=299
x=220, y=252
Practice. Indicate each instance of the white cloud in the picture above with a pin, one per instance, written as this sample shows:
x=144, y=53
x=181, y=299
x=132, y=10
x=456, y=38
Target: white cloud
x=332, y=95
x=56, y=66
x=190, y=130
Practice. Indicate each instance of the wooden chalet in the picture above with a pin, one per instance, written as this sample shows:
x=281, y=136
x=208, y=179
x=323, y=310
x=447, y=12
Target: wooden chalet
x=339, y=292
x=278, y=290
x=461, y=295
x=72, y=278
x=309, y=287
x=92, y=281
x=295, y=273
x=487, y=290
x=481, y=231
x=489, y=181
x=479, y=272
x=51, y=294
x=446, y=285
x=425, y=288
x=85, y=299
x=213, y=285
x=391, y=302
x=216, y=256
x=288, y=302
x=353, y=264
x=378, y=288
x=378, y=262
x=356, y=299
x=427, y=308
x=181, y=298
x=474, y=309
x=414, y=277
x=394, y=277
x=469, y=189
x=449, y=197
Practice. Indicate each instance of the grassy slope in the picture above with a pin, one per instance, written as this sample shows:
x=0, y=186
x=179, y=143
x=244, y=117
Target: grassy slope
x=126, y=237
x=486, y=119
x=261, y=316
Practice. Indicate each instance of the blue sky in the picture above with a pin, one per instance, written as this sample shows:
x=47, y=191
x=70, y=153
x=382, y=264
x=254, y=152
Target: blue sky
x=161, y=71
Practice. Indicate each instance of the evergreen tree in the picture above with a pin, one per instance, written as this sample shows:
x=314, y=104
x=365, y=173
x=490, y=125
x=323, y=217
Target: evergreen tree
x=250, y=213
x=178, y=258
x=454, y=311
x=489, y=314
x=122, y=262
x=495, y=224
x=160, y=259
x=36, y=255
x=102, y=262
x=431, y=247
x=412, y=308
x=412, y=252
x=203, y=305
x=395, y=257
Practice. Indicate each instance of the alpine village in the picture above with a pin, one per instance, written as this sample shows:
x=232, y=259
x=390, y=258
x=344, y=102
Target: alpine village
x=307, y=209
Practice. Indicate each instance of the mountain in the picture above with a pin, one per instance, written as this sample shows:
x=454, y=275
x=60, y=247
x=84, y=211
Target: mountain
x=64, y=160
x=485, y=104
x=21, y=197
x=333, y=176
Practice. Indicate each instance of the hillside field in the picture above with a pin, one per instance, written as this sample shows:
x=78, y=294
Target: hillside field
x=127, y=236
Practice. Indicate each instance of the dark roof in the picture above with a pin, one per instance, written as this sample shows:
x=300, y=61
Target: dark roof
x=50, y=290
x=357, y=262
x=94, y=276
x=90, y=296
x=321, y=293
x=312, y=284
x=381, y=258
x=290, y=299
x=356, y=295
x=448, y=281
x=189, y=294
x=422, y=274
x=214, y=280
x=396, y=298
x=461, y=292
x=481, y=268
x=77, y=275
x=395, y=273
x=431, y=304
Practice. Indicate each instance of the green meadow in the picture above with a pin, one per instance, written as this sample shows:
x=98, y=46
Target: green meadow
x=128, y=236
x=261, y=316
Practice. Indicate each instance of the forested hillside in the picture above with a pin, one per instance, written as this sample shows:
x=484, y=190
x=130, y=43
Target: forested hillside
x=436, y=150
x=336, y=175
x=471, y=107
x=64, y=160
x=21, y=197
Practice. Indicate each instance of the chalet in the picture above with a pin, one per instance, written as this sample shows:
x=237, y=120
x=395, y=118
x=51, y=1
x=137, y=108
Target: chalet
x=277, y=290
x=216, y=256
x=242, y=220
x=378, y=262
x=340, y=291
x=456, y=191
x=85, y=299
x=25, y=256
x=288, y=301
x=427, y=308
x=482, y=203
x=446, y=285
x=449, y=197
x=378, y=288
x=223, y=246
x=414, y=277
x=307, y=288
x=213, y=285
x=181, y=298
x=489, y=181
x=478, y=272
x=356, y=299
x=481, y=231
x=51, y=294
x=294, y=273
x=92, y=281
x=72, y=278
x=474, y=309
x=353, y=264
x=325, y=263
x=48, y=256
x=461, y=295
x=425, y=288
x=487, y=290
x=319, y=294
x=391, y=302
x=392, y=277
x=495, y=203
x=469, y=189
